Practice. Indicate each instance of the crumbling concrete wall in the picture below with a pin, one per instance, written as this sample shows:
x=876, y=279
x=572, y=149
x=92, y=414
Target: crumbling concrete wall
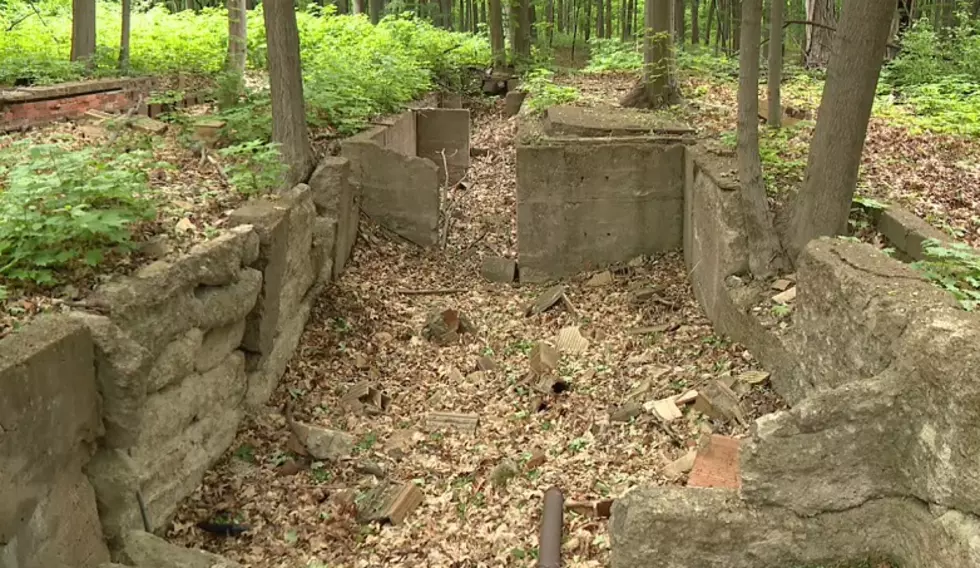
x=146, y=390
x=876, y=457
x=398, y=170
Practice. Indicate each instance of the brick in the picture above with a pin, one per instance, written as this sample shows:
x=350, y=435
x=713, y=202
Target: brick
x=717, y=464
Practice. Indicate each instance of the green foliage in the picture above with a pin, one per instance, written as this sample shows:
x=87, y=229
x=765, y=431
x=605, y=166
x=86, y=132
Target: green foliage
x=613, y=55
x=955, y=268
x=254, y=167
x=543, y=92
x=59, y=208
x=703, y=62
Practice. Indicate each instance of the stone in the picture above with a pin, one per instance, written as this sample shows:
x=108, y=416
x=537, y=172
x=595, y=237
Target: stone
x=265, y=371
x=664, y=409
x=717, y=401
x=115, y=478
x=537, y=459
x=513, y=101
x=681, y=465
x=389, y=503
x=149, y=125
x=543, y=358
x=324, y=241
x=785, y=297
x=686, y=397
x=156, y=247
x=499, y=269
x=503, y=473
x=545, y=300
x=717, y=464
x=224, y=305
x=781, y=285
x=299, y=275
x=487, y=365
x=144, y=550
x=323, y=443
x=217, y=344
x=626, y=412
x=176, y=361
x=599, y=279
x=753, y=377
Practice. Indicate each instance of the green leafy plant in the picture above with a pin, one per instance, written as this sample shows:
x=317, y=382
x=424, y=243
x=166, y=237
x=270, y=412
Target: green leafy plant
x=613, y=54
x=61, y=208
x=254, y=167
x=543, y=92
x=954, y=268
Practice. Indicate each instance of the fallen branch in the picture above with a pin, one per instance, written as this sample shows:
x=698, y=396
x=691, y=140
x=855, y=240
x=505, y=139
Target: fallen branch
x=475, y=241
x=433, y=292
x=129, y=114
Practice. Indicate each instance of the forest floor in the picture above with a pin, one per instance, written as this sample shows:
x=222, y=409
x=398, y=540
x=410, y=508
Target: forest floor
x=366, y=327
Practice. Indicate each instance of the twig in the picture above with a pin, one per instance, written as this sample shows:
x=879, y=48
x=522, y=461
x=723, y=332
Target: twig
x=475, y=242
x=125, y=117
x=17, y=22
x=433, y=292
x=45, y=24
x=143, y=515
x=217, y=166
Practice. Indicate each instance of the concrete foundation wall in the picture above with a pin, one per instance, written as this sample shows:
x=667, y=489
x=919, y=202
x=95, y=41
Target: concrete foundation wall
x=148, y=392
x=590, y=203
x=398, y=171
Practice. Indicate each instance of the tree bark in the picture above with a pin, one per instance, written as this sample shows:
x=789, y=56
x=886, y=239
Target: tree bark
x=497, y=35
x=623, y=19
x=286, y=86
x=776, y=62
x=522, y=35
x=82, y=29
x=600, y=19
x=763, y=244
x=609, y=18
x=658, y=88
x=823, y=205
x=820, y=38
x=127, y=18
x=588, y=20
x=343, y=8
x=707, y=27
x=695, y=23
x=679, y=22
x=358, y=6
x=735, y=21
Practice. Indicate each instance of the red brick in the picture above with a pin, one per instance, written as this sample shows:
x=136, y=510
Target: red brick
x=717, y=464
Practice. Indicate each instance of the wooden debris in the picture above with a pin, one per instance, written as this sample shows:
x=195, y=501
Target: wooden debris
x=785, y=297
x=545, y=301
x=150, y=125
x=649, y=329
x=664, y=409
x=719, y=402
x=537, y=459
x=681, y=465
x=584, y=508
x=570, y=341
x=98, y=115
x=603, y=509
x=782, y=285
x=601, y=279
x=626, y=412
x=366, y=394
x=444, y=327
x=458, y=421
x=388, y=503
x=753, y=377
x=544, y=358
x=686, y=397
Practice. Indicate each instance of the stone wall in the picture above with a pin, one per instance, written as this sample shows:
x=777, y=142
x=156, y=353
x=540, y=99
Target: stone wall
x=586, y=199
x=160, y=372
x=876, y=457
x=399, y=173
x=32, y=106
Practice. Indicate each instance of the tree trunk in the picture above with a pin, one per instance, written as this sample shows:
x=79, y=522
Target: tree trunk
x=483, y=11
x=574, y=26
x=658, y=88
x=623, y=19
x=695, y=23
x=600, y=19
x=359, y=6
x=127, y=18
x=237, y=55
x=679, y=23
x=821, y=38
x=497, y=35
x=445, y=14
x=343, y=8
x=549, y=16
x=559, y=21
x=609, y=18
x=823, y=205
x=711, y=17
x=735, y=13
x=522, y=35
x=532, y=20
x=82, y=29
x=286, y=86
x=763, y=244
x=775, y=62
x=588, y=20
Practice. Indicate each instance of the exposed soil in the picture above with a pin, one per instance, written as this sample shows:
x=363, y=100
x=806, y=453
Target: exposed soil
x=366, y=327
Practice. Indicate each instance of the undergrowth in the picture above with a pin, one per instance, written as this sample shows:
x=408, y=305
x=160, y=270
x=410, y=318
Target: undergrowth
x=543, y=92
x=954, y=267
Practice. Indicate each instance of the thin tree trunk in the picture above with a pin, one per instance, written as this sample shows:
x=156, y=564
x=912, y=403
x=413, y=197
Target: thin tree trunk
x=549, y=16
x=609, y=18
x=633, y=20
x=823, y=205
x=532, y=20
x=359, y=6
x=707, y=27
x=775, y=62
x=574, y=26
x=658, y=88
x=624, y=18
x=523, y=35
x=497, y=35
x=483, y=11
x=735, y=10
x=559, y=21
x=679, y=22
x=236, y=57
x=763, y=243
x=286, y=87
x=695, y=23
x=127, y=18
x=600, y=19
x=82, y=29
x=344, y=8
x=588, y=20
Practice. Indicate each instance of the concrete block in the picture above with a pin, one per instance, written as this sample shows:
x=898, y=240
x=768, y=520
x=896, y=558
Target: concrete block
x=445, y=131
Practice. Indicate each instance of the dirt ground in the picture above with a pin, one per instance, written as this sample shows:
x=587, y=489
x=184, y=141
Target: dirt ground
x=368, y=327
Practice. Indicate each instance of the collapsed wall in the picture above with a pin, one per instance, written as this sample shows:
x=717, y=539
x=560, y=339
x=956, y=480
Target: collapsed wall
x=876, y=457
x=144, y=390
x=596, y=187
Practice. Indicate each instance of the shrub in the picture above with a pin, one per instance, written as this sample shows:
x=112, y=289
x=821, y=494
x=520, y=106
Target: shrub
x=613, y=54
x=543, y=92
x=59, y=208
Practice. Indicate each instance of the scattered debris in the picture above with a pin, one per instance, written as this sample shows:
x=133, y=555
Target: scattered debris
x=785, y=297
x=464, y=422
x=370, y=468
x=782, y=284
x=444, y=327
x=185, y=225
x=717, y=401
x=649, y=329
x=536, y=460
x=323, y=443
x=601, y=279
x=544, y=358
x=603, y=509
x=686, y=397
x=364, y=396
x=150, y=125
x=626, y=412
x=753, y=377
x=546, y=300
x=639, y=390
x=389, y=503
x=664, y=409
x=570, y=341
x=503, y=473
x=487, y=364
x=681, y=465
x=716, y=465
x=290, y=467
x=551, y=384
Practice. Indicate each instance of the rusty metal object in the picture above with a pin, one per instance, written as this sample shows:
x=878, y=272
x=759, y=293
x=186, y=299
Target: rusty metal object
x=549, y=547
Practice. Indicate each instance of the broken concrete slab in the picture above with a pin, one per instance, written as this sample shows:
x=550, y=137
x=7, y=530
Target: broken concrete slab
x=717, y=401
x=680, y=466
x=144, y=550
x=324, y=443
x=443, y=136
x=608, y=121
x=499, y=269
x=545, y=300
x=717, y=464
x=455, y=420
x=570, y=341
x=543, y=358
